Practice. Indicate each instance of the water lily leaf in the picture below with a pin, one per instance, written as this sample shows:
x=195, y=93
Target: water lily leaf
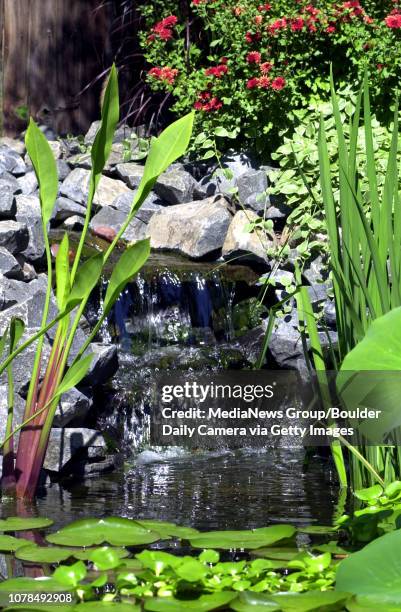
x=105, y=558
x=279, y=554
x=360, y=604
x=40, y=608
x=203, y=604
x=317, y=529
x=191, y=570
x=15, y=523
x=255, y=538
x=85, y=555
x=158, y=560
x=112, y=530
x=113, y=606
x=312, y=600
x=11, y=544
x=170, y=530
x=44, y=554
x=33, y=585
x=254, y=602
x=374, y=571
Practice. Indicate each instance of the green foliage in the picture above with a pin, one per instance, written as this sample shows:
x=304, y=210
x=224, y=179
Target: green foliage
x=243, y=539
x=16, y=523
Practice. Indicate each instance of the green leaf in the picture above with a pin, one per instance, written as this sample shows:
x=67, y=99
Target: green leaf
x=191, y=570
x=33, y=585
x=110, y=115
x=75, y=374
x=311, y=601
x=254, y=602
x=17, y=328
x=256, y=538
x=11, y=544
x=374, y=571
x=209, y=154
x=203, y=604
x=105, y=558
x=168, y=530
x=45, y=169
x=87, y=277
x=113, y=606
x=113, y=530
x=70, y=575
x=44, y=554
x=130, y=262
x=370, y=494
x=63, y=273
x=209, y=556
x=15, y=523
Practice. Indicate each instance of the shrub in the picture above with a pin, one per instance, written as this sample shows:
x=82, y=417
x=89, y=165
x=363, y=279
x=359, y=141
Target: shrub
x=245, y=65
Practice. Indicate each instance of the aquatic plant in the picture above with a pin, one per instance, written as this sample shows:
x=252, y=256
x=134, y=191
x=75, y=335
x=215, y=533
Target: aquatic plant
x=73, y=286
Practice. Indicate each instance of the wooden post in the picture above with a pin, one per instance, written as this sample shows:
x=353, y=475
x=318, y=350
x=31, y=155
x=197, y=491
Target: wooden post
x=52, y=51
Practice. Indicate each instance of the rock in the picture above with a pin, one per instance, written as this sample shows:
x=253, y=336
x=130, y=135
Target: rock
x=80, y=160
x=7, y=203
x=28, y=183
x=65, y=208
x=278, y=212
x=19, y=407
x=28, y=271
x=48, y=132
x=63, y=169
x=315, y=271
x=9, y=182
x=104, y=364
x=14, y=236
x=223, y=181
x=73, y=224
x=76, y=187
x=16, y=145
x=72, y=409
x=318, y=293
x=108, y=222
x=58, y=149
x=252, y=186
x=11, y=161
x=150, y=206
x=9, y=266
x=251, y=344
x=196, y=229
x=286, y=347
x=91, y=133
x=251, y=247
x=177, y=187
x=29, y=212
x=66, y=444
x=130, y=173
x=329, y=314
x=30, y=307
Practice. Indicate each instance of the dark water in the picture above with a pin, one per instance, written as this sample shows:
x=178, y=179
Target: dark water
x=241, y=490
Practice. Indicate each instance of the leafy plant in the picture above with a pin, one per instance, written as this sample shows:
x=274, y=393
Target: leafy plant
x=73, y=286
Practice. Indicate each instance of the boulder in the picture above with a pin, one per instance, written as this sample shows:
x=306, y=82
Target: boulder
x=150, y=206
x=10, y=183
x=104, y=364
x=14, y=236
x=65, y=208
x=329, y=314
x=29, y=212
x=73, y=224
x=224, y=180
x=252, y=186
x=250, y=246
x=16, y=145
x=30, y=307
x=108, y=222
x=178, y=186
x=130, y=173
x=66, y=444
x=7, y=202
x=278, y=212
x=9, y=266
x=28, y=183
x=91, y=133
x=196, y=229
x=58, y=149
x=11, y=161
x=72, y=409
x=76, y=187
x=63, y=169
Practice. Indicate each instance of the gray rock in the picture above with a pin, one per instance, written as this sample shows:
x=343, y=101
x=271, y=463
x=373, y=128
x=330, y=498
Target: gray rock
x=315, y=270
x=130, y=173
x=150, y=206
x=48, y=132
x=16, y=145
x=76, y=187
x=28, y=271
x=286, y=347
x=7, y=203
x=74, y=223
x=278, y=211
x=29, y=212
x=14, y=236
x=251, y=247
x=66, y=444
x=318, y=293
x=11, y=161
x=58, y=148
x=329, y=314
x=252, y=186
x=223, y=181
x=65, y=208
x=9, y=182
x=9, y=266
x=91, y=133
x=108, y=222
x=72, y=409
x=104, y=364
x=196, y=229
x=28, y=183
x=19, y=407
x=178, y=186
x=30, y=307
x=63, y=169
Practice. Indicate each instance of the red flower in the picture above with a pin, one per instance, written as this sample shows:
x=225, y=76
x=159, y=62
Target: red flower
x=277, y=25
x=264, y=82
x=393, y=21
x=164, y=73
x=297, y=24
x=266, y=67
x=169, y=22
x=206, y=103
x=314, y=12
x=251, y=38
x=278, y=83
x=252, y=83
x=330, y=29
x=264, y=7
x=223, y=60
x=253, y=57
x=217, y=71
x=258, y=20
x=380, y=67
x=162, y=29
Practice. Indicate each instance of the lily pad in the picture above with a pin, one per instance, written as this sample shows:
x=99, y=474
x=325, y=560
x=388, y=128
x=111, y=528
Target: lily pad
x=318, y=529
x=33, y=585
x=168, y=530
x=203, y=604
x=94, y=532
x=310, y=601
x=11, y=544
x=359, y=604
x=41, y=608
x=106, y=605
x=277, y=554
x=254, y=602
x=44, y=554
x=15, y=523
x=255, y=538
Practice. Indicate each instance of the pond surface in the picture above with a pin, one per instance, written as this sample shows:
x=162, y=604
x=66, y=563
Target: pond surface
x=241, y=490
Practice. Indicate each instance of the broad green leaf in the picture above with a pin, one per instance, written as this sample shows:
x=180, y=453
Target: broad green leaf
x=168, y=530
x=71, y=575
x=203, y=604
x=110, y=115
x=44, y=554
x=75, y=374
x=374, y=571
x=130, y=262
x=113, y=606
x=87, y=277
x=11, y=544
x=33, y=585
x=254, y=602
x=255, y=538
x=111, y=530
x=191, y=570
x=158, y=560
x=15, y=523
x=63, y=273
x=164, y=150
x=363, y=604
x=59, y=607
x=105, y=558
x=311, y=601
x=17, y=328
x=45, y=169
x=3, y=341
x=277, y=554
x=317, y=529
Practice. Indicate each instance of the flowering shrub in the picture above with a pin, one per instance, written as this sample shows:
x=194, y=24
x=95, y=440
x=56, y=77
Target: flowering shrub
x=244, y=65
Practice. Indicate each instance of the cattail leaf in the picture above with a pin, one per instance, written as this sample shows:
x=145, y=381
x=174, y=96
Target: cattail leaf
x=110, y=115
x=63, y=273
x=17, y=328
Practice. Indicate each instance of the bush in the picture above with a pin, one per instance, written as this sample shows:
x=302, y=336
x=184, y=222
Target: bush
x=245, y=65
